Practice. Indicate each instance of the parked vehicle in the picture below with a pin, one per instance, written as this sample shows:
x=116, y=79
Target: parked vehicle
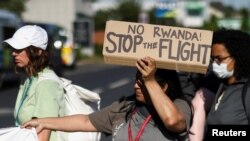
x=9, y=23
x=68, y=54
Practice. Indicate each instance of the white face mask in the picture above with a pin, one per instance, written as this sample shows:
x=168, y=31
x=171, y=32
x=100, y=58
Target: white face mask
x=221, y=70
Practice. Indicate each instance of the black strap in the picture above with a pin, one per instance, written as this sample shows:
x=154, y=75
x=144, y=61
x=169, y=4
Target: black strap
x=243, y=97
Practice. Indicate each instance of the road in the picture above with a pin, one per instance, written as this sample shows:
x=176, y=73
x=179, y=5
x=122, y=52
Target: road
x=110, y=81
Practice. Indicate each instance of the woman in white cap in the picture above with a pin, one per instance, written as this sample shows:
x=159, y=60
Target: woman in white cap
x=36, y=99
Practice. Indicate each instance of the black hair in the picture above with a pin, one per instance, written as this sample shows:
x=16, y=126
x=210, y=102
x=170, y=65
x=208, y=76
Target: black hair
x=174, y=90
x=237, y=44
x=170, y=77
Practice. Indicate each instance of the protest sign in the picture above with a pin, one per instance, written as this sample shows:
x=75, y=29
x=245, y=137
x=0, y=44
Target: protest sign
x=177, y=48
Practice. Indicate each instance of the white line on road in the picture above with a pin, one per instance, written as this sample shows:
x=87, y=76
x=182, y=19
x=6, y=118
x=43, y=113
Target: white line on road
x=6, y=111
x=113, y=85
x=119, y=83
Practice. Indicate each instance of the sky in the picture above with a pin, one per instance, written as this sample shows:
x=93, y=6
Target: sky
x=234, y=3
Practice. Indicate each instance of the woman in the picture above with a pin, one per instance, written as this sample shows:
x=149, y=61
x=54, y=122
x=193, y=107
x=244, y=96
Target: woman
x=230, y=55
x=35, y=100
x=230, y=63
x=155, y=112
x=201, y=102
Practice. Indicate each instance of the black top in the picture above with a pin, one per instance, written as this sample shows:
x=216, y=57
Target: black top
x=230, y=110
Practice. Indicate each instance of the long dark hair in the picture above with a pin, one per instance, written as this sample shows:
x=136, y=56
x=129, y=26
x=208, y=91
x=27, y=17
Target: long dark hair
x=174, y=90
x=170, y=77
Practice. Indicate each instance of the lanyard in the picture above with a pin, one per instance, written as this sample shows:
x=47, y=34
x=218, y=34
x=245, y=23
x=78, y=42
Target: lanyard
x=139, y=134
x=25, y=94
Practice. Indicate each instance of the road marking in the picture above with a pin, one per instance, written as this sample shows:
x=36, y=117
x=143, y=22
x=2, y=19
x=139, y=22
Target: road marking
x=6, y=111
x=113, y=85
x=119, y=83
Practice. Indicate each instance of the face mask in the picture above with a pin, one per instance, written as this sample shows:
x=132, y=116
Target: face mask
x=221, y=70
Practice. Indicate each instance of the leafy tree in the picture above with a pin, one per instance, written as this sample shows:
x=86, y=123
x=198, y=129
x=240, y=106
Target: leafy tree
x=244, y=14
x=101, y=17
x=128, y=10
x=16, y=6
x=229, y=11
x=212, y=24
x=152, y=18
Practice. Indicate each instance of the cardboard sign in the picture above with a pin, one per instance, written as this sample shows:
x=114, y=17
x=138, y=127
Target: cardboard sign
x=181, y=49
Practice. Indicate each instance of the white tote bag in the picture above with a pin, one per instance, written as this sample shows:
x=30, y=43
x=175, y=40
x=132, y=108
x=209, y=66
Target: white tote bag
x=18, y=134
x=78, y=100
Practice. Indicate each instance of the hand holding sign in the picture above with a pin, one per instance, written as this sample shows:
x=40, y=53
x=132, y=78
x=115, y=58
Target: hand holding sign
x=147, y=67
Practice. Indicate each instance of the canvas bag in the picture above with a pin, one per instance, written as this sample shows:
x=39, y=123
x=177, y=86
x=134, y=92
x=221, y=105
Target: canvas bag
x=78, y=100
x=18, y=134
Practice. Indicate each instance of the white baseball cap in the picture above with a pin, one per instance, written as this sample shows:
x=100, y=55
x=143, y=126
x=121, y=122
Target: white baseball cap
x=29, y=35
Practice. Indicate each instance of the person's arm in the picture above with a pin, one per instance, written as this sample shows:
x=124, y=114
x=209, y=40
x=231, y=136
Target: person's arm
x=68, y=123
x=201, y=102
x=199, y=118
x=170, y=115
x=44, y=135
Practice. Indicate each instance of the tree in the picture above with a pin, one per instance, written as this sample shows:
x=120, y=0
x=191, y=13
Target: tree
x=244, y=14
x=15, y=6
x=129, y=10
x=99, y=18
x=229, y=11
x=102, y=16
x=212, y=24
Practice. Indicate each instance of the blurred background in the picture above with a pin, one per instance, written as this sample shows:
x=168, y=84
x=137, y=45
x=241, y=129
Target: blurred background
x=76, y=34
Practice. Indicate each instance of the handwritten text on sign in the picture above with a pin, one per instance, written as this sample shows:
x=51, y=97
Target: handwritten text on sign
x=170, y=43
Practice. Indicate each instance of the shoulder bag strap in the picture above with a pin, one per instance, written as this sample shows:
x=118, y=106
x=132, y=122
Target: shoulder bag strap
x=244, y=101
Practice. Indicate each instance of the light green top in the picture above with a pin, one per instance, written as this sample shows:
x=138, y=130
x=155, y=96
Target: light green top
x=45, y=99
